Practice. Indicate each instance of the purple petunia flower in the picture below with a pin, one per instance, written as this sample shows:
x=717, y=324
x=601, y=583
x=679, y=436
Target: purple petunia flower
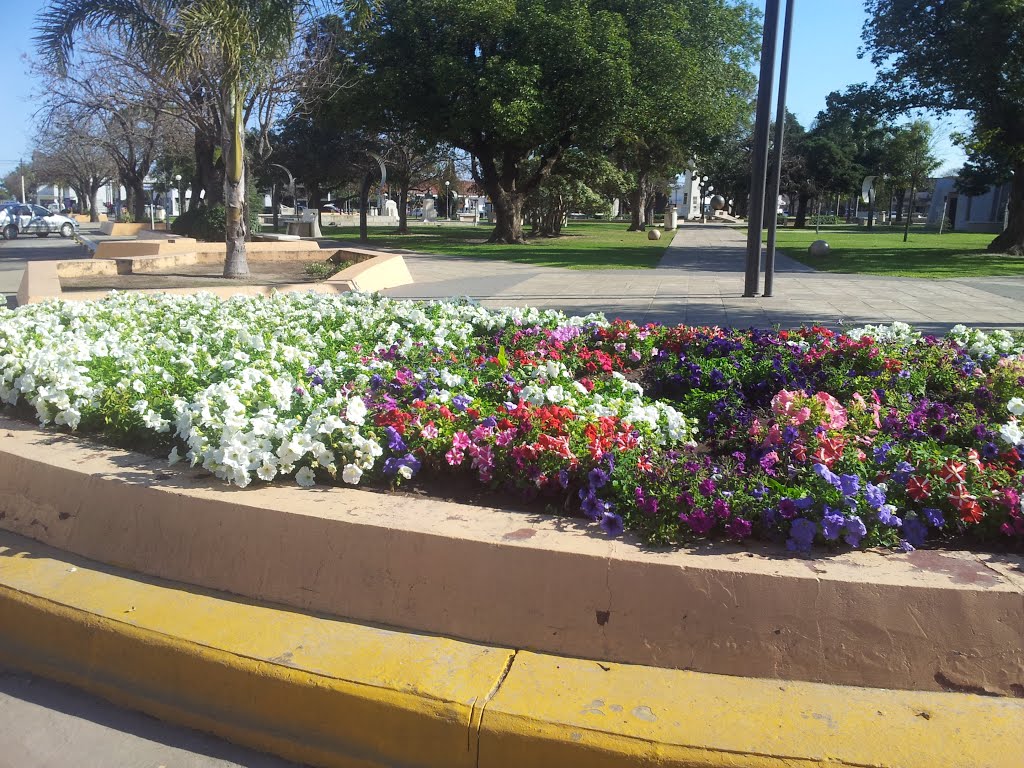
x=700, y=522
x=790, y=434
x=849, y=484
x=611, y=523
x=563, y=478
x=828, y=476
x=832, y=523
x=875, y=496
x=739, y=528
x=801, y=535
x=787, y=508
x=646, y=504
x=597, y=478
x=805, y=502
x=887, y=516
x=706, y=486
x=394, y=438
x=881, y=452
x=461, y=402
x=933, y=516
x=854, y=531
x=914, y=531
x=593, y=507
x=902, y=473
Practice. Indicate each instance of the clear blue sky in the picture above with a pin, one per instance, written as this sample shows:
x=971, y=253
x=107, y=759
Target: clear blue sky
x=826, y=34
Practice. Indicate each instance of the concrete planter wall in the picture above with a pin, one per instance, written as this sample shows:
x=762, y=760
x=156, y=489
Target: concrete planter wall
x=925, y=621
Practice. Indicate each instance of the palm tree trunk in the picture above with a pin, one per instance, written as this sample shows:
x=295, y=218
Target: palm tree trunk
x=235, y=263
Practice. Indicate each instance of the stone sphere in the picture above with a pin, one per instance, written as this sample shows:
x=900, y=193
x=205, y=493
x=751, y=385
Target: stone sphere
x=819, y=248
x=654, y=234
x=717, y=203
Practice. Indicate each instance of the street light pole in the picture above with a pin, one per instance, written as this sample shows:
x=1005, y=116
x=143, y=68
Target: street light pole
x=780, y=135
x=759, y=164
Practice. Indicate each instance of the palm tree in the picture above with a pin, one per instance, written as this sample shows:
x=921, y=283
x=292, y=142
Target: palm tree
x=236, y=43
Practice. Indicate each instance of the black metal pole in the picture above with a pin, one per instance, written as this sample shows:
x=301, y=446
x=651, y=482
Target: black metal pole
x=759, y=164
x=780, y=137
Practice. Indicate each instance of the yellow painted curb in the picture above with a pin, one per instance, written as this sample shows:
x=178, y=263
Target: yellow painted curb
x=334, y=693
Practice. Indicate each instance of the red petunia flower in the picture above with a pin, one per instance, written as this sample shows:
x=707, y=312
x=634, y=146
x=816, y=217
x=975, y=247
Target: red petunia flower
x=919, y=488
x=971, y=512
x=954, y=471
x=974, y=458
x=961, y=499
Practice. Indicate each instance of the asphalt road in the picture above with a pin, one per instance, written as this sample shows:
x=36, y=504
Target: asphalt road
x=48, y=725
x=14, y=254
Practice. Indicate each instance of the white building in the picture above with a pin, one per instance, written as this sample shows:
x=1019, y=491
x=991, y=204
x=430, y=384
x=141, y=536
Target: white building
x=686, y=194
x=969, y=213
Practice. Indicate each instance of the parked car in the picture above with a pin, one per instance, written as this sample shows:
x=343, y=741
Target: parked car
x=17, y=219
x=329, y=208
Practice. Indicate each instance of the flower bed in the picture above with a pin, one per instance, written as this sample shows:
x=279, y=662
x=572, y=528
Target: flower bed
x=878, y=437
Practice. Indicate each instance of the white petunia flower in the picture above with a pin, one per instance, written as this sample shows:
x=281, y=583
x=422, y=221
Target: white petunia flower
x=305, y=477
x=351, y=474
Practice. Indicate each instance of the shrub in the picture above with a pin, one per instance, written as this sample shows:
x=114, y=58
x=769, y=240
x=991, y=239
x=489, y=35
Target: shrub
x=828, y=220
x=202, y=223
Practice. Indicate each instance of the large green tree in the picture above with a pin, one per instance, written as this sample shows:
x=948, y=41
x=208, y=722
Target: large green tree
x=961, y=55
x=507, y=81
x=848, y=142
x=690, y=83
x=910, y=161
x=235, y=44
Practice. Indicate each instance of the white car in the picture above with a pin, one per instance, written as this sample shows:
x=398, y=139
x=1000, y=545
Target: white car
x=20, y=219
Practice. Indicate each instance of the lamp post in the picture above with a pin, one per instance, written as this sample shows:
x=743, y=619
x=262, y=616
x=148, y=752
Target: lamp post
x=447, y=200
x=774, y=183
x=759, y=156
x=703, y=193
x=710, y=189
x=181, y=196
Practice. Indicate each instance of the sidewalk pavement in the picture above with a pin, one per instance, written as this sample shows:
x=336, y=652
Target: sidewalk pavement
x=699, y=281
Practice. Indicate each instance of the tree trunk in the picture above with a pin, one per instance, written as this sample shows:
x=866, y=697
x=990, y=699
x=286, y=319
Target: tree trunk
x=138, y=195
x=403, y=205
x=235, y=262
x=207, y=176
x=1011, y=239
x=508, y=217
x=801, y=210
x=364, y=205
x=637, y=211
x=906, y=225
x=94, y=203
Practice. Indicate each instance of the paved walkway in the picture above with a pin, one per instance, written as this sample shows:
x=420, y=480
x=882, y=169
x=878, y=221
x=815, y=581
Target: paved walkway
x=700, y=281
x=49, y=725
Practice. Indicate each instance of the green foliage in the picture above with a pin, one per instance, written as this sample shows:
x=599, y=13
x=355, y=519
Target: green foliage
x=202, y=223
x=961, y=56
x=322, y=270
x=909, y=157
x=514, y=82
x=825, y=220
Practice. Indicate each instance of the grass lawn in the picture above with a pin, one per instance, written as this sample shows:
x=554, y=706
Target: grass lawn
x=583, y=245
x=855, y=250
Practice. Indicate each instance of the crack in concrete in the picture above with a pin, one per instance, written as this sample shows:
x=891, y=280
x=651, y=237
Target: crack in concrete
x=476, y=721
